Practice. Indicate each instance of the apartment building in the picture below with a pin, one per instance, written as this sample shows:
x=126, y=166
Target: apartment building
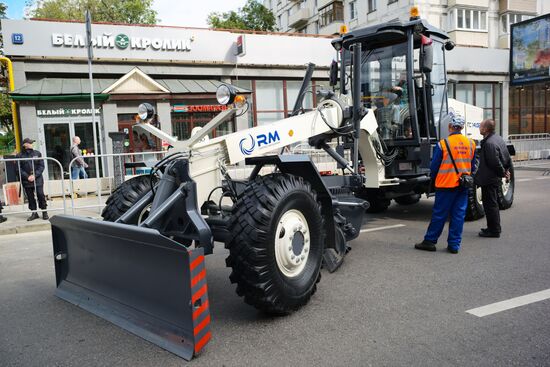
x=480, y=29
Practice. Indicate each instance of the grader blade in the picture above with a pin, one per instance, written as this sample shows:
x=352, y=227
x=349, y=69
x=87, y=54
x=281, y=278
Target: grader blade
x=135, y=278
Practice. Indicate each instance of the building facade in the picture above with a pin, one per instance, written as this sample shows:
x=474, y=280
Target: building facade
x=175, y=69
x=480, y=29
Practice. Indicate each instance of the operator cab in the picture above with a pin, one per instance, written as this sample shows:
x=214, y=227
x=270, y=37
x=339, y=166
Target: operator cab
x=403, y=81
x=403, y=78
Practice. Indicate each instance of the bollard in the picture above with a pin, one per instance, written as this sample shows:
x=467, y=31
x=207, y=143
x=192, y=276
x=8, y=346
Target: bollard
x=118, y=164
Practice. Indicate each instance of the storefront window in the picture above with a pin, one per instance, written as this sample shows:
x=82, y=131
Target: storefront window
x=185, y=117
x=484, y=95
x=269, y=95
x=465, y=93
x=529, y=109
x=57, y=132
x=269, y=117
x=247, y=84
x=292, y=90
x=275, y=99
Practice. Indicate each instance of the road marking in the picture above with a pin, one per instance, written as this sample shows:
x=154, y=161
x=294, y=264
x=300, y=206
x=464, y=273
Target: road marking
x=381, y=228
x=510, y=303
x=543, y=178
x=524, y=179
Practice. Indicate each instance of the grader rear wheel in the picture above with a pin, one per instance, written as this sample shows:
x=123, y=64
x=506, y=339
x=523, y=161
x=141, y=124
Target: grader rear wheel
x=276, y=243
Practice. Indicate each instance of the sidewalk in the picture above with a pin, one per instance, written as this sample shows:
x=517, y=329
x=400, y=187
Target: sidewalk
x=17, y=223
x=534, y=165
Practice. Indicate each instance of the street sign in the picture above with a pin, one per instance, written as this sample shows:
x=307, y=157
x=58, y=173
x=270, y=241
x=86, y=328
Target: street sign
x=241, y=45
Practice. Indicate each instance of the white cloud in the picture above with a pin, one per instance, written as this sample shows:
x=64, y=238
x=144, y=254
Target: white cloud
x=186, y=13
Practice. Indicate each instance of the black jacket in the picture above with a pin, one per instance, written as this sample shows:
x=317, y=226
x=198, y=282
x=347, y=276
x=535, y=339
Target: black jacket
x=494, y=160
x=27, y=167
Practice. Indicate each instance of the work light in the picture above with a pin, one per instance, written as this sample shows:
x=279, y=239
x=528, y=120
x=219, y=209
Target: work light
x=146, y=111
x=225, y=94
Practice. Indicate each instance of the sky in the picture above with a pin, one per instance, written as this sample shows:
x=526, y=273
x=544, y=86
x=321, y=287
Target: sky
x=187, y=13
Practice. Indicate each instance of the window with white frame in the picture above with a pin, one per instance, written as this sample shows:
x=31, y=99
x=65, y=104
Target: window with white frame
x=371, y=5
x=506, y=20
x=468, y=19
x=353, y=9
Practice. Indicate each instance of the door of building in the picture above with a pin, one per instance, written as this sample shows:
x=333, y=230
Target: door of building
x=56, y=140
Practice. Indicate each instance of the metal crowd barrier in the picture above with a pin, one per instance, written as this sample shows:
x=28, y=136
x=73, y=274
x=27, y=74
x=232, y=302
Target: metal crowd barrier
x=65, y=188
x=530, y=148
x=104, y=185
x=13, y=191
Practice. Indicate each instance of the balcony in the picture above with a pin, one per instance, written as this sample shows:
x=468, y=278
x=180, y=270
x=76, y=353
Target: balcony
x=470, y=38
x=522, y=6
x=300, y=17
x=469, y=3
x=324, y=3
x=332, y=28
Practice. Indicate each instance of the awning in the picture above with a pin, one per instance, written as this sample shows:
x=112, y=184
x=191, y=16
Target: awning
x=203, y=86
x=70, y=89
x=51, y=89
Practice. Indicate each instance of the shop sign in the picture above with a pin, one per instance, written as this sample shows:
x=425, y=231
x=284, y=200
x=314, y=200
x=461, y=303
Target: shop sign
x=61, y=112
x=183, y=108
x=122, y=41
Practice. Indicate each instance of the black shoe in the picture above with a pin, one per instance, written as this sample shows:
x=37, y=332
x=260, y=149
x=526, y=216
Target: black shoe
x=45, y=215
x=425, y=245
x=33, y=216
x=3, y=219
x=452, y=250
x=483, y=233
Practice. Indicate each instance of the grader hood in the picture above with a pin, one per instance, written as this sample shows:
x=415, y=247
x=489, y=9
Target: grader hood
x=136, y=278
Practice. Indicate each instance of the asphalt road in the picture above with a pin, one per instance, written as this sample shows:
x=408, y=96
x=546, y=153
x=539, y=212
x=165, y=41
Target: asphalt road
x=389, y=305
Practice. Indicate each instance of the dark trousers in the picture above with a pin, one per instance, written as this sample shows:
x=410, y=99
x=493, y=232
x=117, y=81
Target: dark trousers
x=39, y=194
x=489, y=195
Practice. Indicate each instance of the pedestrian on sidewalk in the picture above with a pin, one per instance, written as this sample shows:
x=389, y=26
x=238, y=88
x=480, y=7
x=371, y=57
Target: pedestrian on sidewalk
x=30, y=172
x=450, y=199
x=494, y=165
x=78, y=167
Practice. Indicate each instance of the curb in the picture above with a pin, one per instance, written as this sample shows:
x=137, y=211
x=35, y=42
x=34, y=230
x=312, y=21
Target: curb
x=25, y=229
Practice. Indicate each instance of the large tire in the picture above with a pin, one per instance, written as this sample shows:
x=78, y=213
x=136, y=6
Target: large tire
x=506, y=192
x=408, y=199
x=126, y=195
x=264, y=246
x=474, y=210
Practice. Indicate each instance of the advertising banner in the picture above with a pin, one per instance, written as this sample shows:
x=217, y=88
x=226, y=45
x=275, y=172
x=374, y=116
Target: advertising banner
x=530, y=51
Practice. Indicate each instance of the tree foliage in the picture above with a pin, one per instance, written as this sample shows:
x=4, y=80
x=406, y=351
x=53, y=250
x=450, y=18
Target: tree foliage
x=115, y=11
x=252, y=16
x=5, y=103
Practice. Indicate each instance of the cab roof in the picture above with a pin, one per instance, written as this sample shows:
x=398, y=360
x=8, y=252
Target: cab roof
x=388, y=33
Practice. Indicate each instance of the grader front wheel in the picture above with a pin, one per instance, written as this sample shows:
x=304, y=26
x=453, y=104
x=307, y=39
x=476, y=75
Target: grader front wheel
x=276, y=243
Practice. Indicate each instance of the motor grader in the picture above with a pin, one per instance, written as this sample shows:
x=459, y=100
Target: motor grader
x=143, y=267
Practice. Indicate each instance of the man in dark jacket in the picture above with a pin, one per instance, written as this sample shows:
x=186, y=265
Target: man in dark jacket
x=31, y=176
x=494, y=164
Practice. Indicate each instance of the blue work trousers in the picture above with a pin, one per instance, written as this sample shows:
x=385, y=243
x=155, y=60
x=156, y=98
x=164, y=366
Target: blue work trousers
x=448, y=204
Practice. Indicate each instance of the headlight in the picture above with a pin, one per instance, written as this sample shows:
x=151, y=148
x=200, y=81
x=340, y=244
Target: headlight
x=146, y=111
x=225, y=94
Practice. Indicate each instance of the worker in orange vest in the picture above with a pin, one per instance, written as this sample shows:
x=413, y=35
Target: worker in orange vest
x=451, y=200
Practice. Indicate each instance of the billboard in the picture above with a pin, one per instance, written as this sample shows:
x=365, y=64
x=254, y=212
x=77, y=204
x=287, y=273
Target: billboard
x=530, y=50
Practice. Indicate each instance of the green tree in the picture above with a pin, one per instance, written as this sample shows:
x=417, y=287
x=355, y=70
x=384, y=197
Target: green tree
x=116, y=11
x=252, y=16
x=5, y=103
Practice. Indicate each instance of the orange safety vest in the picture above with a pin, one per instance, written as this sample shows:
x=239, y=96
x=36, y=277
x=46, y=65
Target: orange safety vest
x=463, y=150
